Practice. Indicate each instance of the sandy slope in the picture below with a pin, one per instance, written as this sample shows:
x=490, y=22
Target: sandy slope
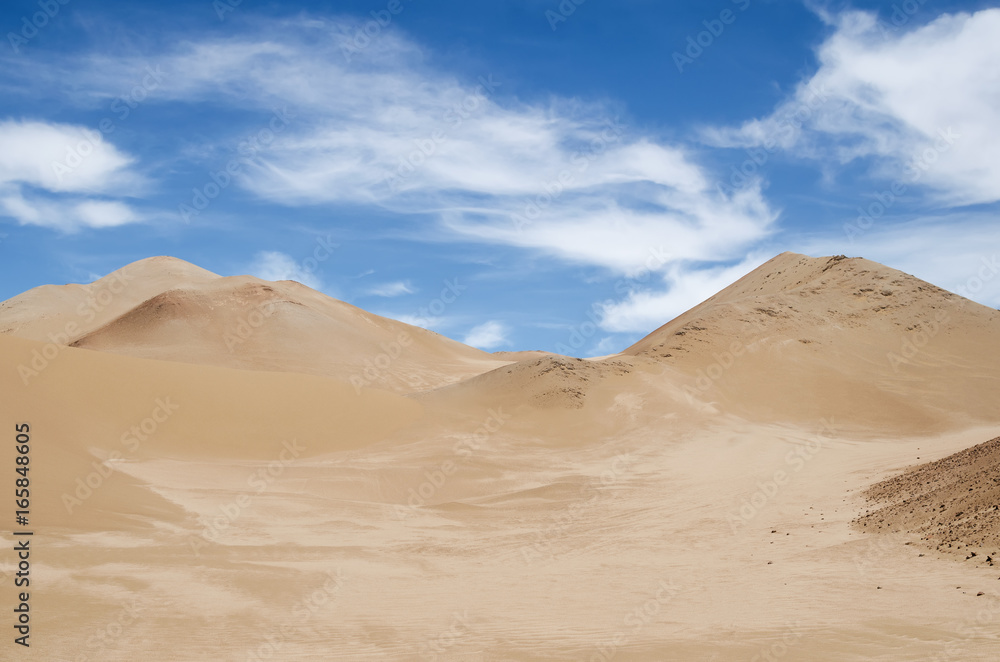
x=50, y=312
x=547, y=509
x=164, y=308
x=797, y=341
x=801, y=338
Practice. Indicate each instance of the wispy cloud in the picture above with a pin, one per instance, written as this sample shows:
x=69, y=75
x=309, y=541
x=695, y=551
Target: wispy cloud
x=488, y=335
x=60, y=176
x=643, y=310
x=274, y=265
x=429, y=323
x=563, y=177
x=394, y=289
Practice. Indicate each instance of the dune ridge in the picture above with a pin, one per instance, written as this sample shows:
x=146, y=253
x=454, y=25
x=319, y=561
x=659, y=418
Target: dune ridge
x=164, y=308
x=701, y=495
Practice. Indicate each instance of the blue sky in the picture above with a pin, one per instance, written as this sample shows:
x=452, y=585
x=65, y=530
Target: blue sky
x=583, y=172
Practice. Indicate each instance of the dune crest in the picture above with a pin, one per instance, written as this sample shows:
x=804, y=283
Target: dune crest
x=168, y=309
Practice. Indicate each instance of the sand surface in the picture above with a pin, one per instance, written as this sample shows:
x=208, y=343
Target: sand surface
x=525, y=507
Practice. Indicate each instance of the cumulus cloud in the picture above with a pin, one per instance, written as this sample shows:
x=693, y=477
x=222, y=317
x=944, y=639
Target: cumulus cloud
x=60, y=158
x=50, y=175
x=488, y=335
x=65, y=213
x=923, y=103
x=275, y=265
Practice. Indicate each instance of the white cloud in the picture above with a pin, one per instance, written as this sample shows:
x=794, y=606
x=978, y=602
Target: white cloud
x=65, y=213
x=274, y=265
x=605, y=346
x=671, y=227
x=71, y=164
x=395, y=289
x=387, y=129
x=105, y=214
x=424, y=322
x=61, y=158
x=488, y=335
x=644, y=310
x=927, y=98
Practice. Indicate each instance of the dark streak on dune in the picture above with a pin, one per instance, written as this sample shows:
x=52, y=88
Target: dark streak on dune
x=953, y=503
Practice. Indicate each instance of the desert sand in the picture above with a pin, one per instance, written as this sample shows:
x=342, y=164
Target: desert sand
x=761, y=478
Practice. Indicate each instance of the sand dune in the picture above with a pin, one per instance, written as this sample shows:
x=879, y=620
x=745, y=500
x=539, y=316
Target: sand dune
x=63, y=313
x=800, y=339
x=196, y=503
x=164, y=308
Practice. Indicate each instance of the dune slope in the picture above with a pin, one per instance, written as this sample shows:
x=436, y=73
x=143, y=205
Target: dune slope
x=163, y=308
x=803, y=339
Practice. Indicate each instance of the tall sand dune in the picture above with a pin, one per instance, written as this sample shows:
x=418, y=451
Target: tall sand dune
x=802, y=338
x=164, y=308
x=695, y=497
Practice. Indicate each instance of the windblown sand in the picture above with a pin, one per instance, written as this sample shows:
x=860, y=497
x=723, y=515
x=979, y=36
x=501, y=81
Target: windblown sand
x=693, y=498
